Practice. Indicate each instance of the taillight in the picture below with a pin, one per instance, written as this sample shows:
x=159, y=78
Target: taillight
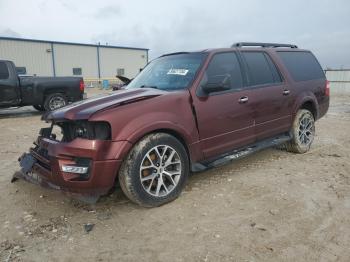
x=327, y=91
x=81, y=86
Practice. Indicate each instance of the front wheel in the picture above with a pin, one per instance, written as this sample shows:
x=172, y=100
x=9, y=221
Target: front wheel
x=155, y=171
x=303, y=132
x=55, y=101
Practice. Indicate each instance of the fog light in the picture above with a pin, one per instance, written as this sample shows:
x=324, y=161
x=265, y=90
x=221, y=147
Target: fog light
x=75, y=169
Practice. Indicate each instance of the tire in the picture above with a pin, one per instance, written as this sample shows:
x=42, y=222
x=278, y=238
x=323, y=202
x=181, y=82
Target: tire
x=303, y=132
x=54, y=101
x=39, y=108
x=161, y=184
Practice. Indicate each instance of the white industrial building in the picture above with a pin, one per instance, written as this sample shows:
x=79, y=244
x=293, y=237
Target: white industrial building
x=339, y=80
x=52, y=58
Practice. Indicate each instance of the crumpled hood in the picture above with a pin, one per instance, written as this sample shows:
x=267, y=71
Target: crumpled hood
x=86, y=108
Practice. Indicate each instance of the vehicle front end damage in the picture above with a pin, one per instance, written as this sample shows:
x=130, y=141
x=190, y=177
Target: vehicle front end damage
x=76, y=157
x=79, y=153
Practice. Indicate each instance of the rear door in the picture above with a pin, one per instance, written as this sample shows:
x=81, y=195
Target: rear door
x=8, y=86
x=225, y=119
x=270, y=95
x=308, y=76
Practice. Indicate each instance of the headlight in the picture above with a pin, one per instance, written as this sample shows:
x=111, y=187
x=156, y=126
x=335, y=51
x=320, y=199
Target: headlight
x=85, y=129
x=102, y=130
x=80, y=131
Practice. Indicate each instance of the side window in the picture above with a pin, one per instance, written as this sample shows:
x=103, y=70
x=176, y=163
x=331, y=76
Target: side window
x=21, y=70
x=261, y=70
x=302, y=66
x=225, y=65
x=4, y=72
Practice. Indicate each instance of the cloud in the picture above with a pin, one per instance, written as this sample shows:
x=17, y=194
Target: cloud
x=168, y=26
x=9, y=33
x=108, y=12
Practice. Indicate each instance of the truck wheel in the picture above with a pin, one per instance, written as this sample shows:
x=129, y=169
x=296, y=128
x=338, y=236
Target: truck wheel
x=39, y=107
x=303, y=132
x=54, y=101
x=155, y=171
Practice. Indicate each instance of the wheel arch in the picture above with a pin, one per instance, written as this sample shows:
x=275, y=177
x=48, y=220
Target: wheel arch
x=310, y=105
x=54, y=91
x=308, y=102
x=180, y=137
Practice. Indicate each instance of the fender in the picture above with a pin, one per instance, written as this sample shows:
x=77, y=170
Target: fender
x=161, y=125
x=131, y=124
x=303, y=98
x=136, y=129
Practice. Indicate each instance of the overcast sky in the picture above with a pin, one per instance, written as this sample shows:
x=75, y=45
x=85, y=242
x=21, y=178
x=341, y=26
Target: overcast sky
x=167, y=26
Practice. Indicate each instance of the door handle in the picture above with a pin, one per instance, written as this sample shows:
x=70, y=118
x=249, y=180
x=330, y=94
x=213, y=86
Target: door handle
x=286, y=92
x=243, y=99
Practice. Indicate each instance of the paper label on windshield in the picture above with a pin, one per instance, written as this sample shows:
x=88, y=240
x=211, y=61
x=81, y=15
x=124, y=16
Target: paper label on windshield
x=181, y=72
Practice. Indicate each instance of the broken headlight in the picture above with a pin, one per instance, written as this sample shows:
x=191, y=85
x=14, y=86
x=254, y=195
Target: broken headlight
x=84, y=129
x=80, y=131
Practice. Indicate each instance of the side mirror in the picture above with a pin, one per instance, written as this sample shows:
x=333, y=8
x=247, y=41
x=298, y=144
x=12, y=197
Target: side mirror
x=217, y=84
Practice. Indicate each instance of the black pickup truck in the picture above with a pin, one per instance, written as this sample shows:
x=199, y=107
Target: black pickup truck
x=43, y=93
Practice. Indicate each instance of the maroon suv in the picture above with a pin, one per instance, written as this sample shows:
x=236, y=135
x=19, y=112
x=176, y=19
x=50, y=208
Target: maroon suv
x=184, y=112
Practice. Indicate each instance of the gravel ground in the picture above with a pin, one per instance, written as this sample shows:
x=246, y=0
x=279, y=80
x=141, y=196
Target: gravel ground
x=270, y=206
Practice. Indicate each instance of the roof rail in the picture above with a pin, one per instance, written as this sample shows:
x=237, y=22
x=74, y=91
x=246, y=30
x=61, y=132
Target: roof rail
x=241, y=44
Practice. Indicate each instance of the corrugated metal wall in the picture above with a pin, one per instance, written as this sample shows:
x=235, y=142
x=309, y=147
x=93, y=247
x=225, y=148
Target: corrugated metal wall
x=36, y=57
x=339, y=81
x=68, y=57
x=130, y=60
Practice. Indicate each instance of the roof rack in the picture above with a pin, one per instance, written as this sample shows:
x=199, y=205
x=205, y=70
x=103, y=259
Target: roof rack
x=241, y=44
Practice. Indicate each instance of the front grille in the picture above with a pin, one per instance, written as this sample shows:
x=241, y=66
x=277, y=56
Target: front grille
x=43, y=153
x=44, y=165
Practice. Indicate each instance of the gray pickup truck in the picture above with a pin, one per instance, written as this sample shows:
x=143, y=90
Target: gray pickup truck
x=43, y=93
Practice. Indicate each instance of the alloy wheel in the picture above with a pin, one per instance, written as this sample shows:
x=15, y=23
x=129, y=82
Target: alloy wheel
x=160, y=170
x=306, y=129
x=56, y=102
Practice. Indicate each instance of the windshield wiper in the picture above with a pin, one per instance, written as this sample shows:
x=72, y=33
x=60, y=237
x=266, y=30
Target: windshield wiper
x=146, y=86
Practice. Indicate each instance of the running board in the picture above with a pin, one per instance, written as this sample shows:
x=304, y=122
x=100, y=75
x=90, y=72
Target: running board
x=240, y=153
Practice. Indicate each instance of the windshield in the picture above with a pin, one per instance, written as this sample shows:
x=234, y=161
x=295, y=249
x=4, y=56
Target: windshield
x=171, y=72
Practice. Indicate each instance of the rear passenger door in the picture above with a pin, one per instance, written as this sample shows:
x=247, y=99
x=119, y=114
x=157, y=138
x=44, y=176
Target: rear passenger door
x=225, y=118
x=269, y=95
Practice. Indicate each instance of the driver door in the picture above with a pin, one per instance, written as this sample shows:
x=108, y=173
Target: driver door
x=225, y=118
x=8, y=86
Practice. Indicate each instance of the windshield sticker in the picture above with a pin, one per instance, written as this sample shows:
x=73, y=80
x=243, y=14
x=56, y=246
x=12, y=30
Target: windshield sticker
x=181, y=72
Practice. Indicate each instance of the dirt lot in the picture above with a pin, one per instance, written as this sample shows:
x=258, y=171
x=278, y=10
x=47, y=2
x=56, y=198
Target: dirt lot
x=271, y=206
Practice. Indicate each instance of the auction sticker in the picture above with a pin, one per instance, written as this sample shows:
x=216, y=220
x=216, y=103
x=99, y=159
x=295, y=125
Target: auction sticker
x=181, y=72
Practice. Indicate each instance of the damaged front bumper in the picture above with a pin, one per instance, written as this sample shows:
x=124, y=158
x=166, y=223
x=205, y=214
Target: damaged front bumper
x=45, y=162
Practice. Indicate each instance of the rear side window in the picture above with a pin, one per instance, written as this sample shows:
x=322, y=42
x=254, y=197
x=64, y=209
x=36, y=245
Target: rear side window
x=303, y=66
x=261, y=70
x=21, y=70
x=4, y=72
x=225, y=64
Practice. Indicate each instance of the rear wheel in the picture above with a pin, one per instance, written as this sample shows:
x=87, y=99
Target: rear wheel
x=55, y=101
x=39, y=107
x=155, y=171
x=303, y=132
